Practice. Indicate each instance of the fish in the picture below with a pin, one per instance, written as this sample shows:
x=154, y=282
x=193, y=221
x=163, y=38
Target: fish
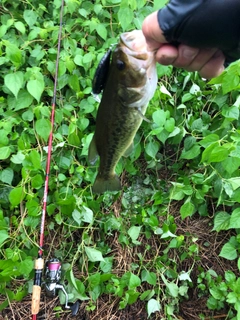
x=129, y=85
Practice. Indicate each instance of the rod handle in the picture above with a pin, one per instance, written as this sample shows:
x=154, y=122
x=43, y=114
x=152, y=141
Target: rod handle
x=36, y=294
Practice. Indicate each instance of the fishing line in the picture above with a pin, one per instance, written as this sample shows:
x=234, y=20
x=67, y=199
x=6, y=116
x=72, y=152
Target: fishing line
x=39, y=263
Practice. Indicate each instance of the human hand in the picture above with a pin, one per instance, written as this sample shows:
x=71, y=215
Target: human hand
x=208, y=62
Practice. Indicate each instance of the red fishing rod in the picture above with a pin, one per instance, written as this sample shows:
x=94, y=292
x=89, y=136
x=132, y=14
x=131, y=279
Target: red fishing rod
x=39, y=263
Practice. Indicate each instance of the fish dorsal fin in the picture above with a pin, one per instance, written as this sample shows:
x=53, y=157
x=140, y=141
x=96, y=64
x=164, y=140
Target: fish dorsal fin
x=101, y=73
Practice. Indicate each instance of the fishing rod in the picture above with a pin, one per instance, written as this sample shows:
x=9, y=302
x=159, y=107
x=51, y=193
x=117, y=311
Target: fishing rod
x=39, y=263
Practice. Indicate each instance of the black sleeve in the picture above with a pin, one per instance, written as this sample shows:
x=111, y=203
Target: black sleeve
x=203, y=24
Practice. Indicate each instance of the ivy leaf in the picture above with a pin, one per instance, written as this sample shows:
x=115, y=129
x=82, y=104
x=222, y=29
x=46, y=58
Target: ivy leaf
x=16, y=196
x=152, y=148
x=102, y=31
x=149, y=277
x=134, y=232
x=20, y=27
x=186, y=210
x=153, y=306
x=30, y=17
x=36, y=87
x=74, y=83
x=134, y=281
x=228, y=251
x=13, y=53
x=14, y=82
x=23, y=100
x=221, y=221
x=214, y=153
x=94, y=254
x=3, y=236
x=5, y=152
x=191, y=153
x=235, y=219
x=159, y=117
x=43, y=128
x=125, y=17
x=6, y=175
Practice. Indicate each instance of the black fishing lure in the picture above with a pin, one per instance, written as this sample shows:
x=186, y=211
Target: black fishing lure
x=101, y=73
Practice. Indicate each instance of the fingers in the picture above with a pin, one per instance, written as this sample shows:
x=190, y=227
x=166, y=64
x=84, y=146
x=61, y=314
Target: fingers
x=208, y=62
x=214, y=67
x=152, y=32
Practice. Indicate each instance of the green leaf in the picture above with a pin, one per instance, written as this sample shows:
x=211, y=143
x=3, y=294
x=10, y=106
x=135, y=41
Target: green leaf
x=43, y=128
x=24, y=100
x=228, y=251
x=169, y=125
x=17, y=158
x=221, y=221
x=153, y=306
x=102, y=31
x=36, y=87
x=235, y=182
x=149, y=277
x=152, y=148
x=159, y=117
x=5, y=152
x=209, y=139
x=235, y=219
x=187, y=209
x=87, y=58
x=238, y=264
x=74, y=83
x=26, y=266
x=87, y=215
x=214, y=153
x=231, y=112
x=94, y=254
x=230, y=82
x=134, y=232
x=14, y=82
x=173, y=289
x=3, y=236
x=6, y=175
x=37, y=181
x=183, y=276
x=13, y=53
x=125, y=17
x=20, y=27
x=35, y=159
x=191, y=153
x=30, y=17
x=134, y=281
x=16, y=195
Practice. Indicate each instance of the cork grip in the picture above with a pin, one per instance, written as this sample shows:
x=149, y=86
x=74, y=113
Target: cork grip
x=36, y=293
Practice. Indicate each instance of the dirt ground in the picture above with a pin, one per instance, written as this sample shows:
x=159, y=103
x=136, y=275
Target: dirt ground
x=107, y=307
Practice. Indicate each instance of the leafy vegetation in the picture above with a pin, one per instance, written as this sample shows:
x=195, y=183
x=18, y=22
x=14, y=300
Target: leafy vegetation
x=147, y=245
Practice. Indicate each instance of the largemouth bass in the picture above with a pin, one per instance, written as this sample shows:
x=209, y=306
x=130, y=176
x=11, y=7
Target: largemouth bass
x=130, y=83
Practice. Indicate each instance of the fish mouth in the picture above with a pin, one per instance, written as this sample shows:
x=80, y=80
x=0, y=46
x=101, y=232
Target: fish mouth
x=134, y=45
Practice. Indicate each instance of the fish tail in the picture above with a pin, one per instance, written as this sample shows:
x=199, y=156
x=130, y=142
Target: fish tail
x=112, y=183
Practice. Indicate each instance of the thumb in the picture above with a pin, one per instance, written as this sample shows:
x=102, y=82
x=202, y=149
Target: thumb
x=152, y=32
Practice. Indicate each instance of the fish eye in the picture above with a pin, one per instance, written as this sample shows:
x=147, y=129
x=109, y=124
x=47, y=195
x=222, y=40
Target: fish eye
x=120, y=65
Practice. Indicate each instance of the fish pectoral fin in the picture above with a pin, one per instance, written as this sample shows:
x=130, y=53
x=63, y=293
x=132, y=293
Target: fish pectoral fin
x=143, y=116
x=129, y=150
x=92, y=152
